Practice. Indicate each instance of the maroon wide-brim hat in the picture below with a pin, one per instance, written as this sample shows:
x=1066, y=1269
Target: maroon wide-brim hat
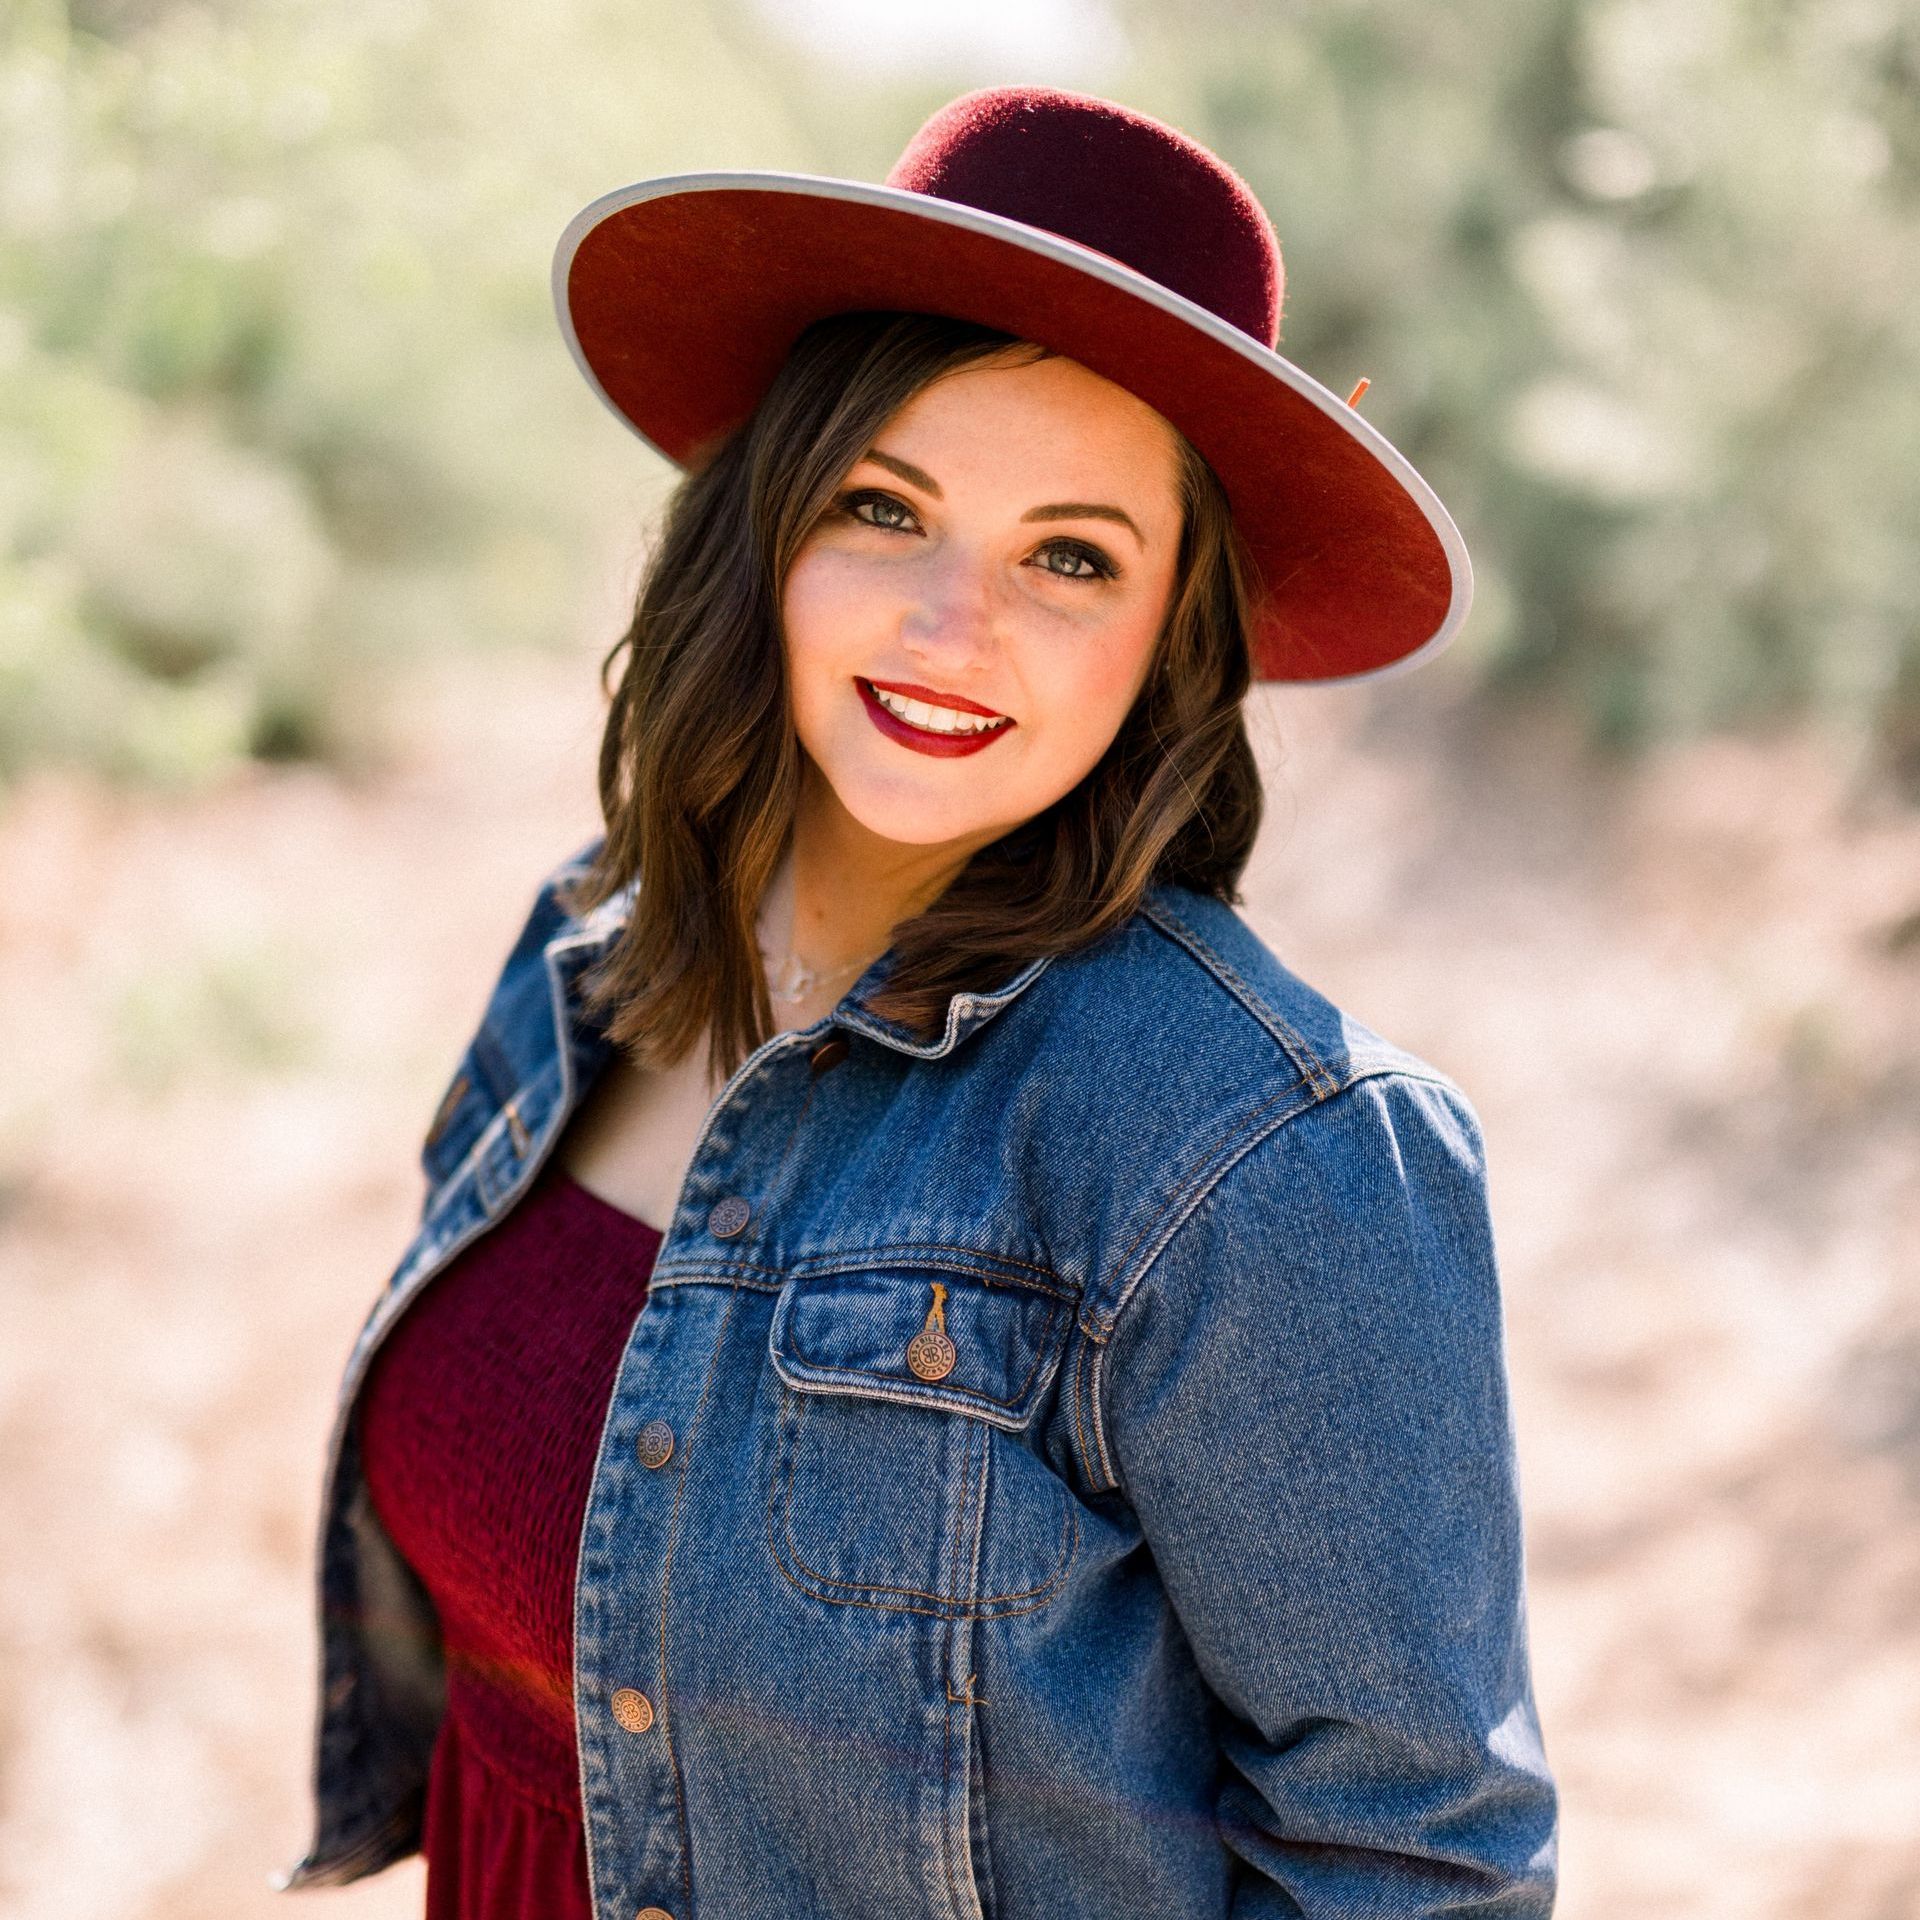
x=1068, y=220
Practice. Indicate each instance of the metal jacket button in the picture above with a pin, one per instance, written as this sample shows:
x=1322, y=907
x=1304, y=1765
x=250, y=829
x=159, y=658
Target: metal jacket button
x=829, y=1053
x=655, y=1445
x=632, y=1709
x=727, y=1217
x=930, y=1353
x=653, y=1913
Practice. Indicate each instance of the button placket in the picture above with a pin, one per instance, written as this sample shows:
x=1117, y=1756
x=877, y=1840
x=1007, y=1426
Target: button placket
x=727, y=1218
x=656, y=1443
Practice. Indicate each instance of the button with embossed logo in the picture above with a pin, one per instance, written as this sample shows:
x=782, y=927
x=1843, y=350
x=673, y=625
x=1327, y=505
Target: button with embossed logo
x=632, y=1709
x=930, y=1353
x=727, y=1217
x=655, y=1445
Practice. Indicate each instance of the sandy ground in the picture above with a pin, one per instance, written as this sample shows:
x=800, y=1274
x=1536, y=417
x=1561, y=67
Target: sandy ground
x=1685, y=1000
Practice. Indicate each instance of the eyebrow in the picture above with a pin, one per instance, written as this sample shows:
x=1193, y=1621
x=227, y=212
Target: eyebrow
x=1060, y=510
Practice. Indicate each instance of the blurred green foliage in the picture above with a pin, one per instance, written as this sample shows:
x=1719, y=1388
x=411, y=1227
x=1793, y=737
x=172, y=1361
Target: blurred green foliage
x=1638, y=286
x=282, y=400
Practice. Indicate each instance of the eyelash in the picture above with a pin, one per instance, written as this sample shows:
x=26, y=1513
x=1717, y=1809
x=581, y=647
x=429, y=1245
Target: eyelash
x=1104, y=569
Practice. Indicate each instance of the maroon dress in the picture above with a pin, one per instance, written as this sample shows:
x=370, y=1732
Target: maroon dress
x=479, y=1426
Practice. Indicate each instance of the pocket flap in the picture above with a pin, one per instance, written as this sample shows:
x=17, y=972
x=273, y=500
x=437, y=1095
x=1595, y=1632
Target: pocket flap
x=856, y=1332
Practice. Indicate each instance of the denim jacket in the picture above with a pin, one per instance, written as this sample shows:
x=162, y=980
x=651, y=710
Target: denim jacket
x=1063, y=1469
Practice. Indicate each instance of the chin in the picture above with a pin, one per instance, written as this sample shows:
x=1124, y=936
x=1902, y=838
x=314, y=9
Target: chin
x=901, y=811
x=911, y=828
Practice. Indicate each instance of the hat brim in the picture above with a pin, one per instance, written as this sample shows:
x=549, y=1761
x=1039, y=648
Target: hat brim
x=680, y=297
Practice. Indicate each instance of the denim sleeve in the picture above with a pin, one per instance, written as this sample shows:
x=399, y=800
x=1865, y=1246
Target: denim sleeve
x=1307, y=1405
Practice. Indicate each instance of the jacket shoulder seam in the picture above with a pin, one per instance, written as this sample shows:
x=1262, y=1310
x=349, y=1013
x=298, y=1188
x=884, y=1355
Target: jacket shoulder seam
x=1165, y=1229
x=1311, y=1068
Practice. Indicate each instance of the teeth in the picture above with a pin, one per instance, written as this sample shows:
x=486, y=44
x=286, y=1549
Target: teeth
x=935, y=719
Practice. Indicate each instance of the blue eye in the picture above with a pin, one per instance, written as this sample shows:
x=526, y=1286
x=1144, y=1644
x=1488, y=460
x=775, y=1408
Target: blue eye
x=1101, y=568
x=852, y=502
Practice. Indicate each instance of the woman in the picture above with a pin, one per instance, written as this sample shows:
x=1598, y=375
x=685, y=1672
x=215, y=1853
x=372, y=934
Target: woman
x=956, y=1383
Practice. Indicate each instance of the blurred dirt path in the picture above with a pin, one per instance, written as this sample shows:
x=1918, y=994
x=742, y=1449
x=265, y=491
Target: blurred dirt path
x=1686, y=1003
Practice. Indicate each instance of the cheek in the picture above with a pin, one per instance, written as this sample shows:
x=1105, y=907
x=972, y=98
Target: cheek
x=1095, y=696
x=806, y=616
x=829, y=596
x=811, y=615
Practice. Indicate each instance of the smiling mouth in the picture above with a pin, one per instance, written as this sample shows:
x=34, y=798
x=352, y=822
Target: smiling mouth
x=946, y=733
x=945, y=722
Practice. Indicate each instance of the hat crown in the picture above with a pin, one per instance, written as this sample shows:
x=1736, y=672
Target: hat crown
x=1127, y=185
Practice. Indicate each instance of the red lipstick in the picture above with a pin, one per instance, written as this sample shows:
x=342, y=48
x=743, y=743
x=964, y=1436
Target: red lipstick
x=934, y=697
x=942, y=746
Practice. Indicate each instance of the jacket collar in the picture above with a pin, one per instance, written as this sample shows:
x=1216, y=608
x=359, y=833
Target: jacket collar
x=965, y=1011
x=581, y=939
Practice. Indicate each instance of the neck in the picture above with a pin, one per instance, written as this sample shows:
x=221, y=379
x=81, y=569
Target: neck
x=849, y=887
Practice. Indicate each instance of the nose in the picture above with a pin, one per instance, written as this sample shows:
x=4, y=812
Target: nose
x=951, y=620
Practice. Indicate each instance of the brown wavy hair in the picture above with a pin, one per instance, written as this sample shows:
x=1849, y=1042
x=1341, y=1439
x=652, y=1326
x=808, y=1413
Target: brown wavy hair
x=700, y=766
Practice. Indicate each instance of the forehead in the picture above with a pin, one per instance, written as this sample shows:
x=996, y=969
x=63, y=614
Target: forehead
x=1028, y=411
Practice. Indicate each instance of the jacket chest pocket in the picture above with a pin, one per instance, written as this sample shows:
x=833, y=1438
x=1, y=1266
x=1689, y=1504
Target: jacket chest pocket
x=900, y=1474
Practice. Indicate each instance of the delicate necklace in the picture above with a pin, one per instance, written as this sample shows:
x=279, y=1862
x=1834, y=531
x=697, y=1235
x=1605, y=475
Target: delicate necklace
x=798, y=981
x=795, y=980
